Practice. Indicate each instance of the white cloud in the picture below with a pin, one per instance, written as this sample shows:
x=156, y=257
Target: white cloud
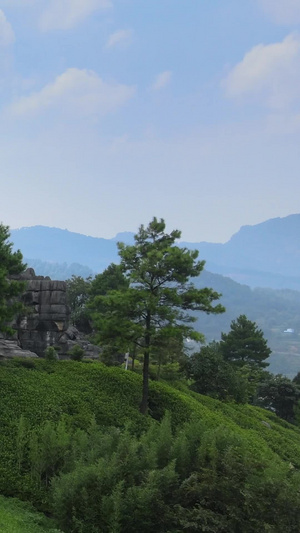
x=268, y=72
x=162, y=80
x=282, y=11
x=7, y=36
x=77, y=92
x=119, y=38
x=65, y=14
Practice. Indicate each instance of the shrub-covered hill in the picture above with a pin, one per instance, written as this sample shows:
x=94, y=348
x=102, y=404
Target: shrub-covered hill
x=74, y=444
x=20, y=517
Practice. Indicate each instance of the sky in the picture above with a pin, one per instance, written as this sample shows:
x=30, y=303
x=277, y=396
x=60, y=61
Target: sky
x=115, y=111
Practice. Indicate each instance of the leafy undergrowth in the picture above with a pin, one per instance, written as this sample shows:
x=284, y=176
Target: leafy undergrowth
x=19, y=517
x=42, y=391
x=54, y=407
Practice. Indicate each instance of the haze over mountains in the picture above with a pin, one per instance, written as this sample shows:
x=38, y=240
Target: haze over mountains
x=264, y=255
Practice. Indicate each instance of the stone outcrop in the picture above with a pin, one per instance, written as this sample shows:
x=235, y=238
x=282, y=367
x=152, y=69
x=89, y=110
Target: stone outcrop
x=48, y=313
x=72, y=337
x=46, y=322
x=11, y=348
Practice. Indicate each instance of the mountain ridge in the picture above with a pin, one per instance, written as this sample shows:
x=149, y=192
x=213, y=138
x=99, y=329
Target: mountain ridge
x=266, y=254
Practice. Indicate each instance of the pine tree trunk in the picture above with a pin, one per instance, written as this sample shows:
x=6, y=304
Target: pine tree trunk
x=144, y=402
x=158, y=371
x=133, y=357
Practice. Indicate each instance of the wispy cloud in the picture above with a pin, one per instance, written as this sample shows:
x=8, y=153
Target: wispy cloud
x=269, y=73
x=282, y=11
x=162, y=80
x=66, y=14
x=77, y=92
x=120, y=38
x=7, y=36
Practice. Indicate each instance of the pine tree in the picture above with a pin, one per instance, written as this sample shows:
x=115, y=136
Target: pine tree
x=245, y=344
x=159, y=294
x=11, y=264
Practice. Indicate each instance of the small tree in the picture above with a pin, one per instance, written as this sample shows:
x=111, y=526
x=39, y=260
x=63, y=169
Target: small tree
x=215, y=377
x=77, y=353
x=111, y=309
x=51, y=354
x=278, y=393
x=159, y=293
x=11, y=264
x=245, y=344
x=77, y=296
x=111, y=279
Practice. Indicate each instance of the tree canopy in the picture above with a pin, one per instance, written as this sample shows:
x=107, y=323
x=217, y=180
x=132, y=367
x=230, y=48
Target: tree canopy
x=213, y=376
x=245, y=344
x=11, y=264
x=159, y=293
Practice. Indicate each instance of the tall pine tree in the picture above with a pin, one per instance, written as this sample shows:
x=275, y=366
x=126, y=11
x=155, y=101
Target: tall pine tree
x=156, y=303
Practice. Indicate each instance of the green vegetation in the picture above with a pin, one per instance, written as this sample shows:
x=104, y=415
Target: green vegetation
x=75, y=441
x=76, y=353
x=214, y=376
x=209, y=464
x=51, y=354
x=245, y=344
x=20, y=517
x=274, y=311
x=153, y=307
x=10, y=265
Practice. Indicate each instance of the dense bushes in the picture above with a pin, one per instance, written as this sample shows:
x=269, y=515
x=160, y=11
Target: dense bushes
x=198, y=479
x=74, y=443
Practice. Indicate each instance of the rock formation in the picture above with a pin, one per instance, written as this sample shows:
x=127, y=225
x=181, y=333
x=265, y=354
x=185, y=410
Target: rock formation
x=46, y=322
x=48, y=313
x=11, y=348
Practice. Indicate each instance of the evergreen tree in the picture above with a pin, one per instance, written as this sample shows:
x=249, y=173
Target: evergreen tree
x=278, y=393
x=77, y=295
x=111, y=318
x=11, y=264
x=111, y=279
x=213, y=376
x=245, y=344
x=159, y=294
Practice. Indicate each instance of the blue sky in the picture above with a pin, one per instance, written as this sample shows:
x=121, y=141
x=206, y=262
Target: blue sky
x=115, y=111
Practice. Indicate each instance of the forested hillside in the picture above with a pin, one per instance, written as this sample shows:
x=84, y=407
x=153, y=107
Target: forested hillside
x=230, y=467
x=275, y=311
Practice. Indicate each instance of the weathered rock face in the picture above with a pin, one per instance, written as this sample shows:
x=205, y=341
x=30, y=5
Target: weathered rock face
x=46, y=322
x=48, y=316
x=72, y=337
x=11, y=348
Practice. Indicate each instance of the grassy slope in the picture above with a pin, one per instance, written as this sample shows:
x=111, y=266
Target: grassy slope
x=112, y=395
x=42, y=391
x=18, y=517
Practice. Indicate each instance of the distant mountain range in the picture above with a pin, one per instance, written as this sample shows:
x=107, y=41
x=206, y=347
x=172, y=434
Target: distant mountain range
x=263, y=255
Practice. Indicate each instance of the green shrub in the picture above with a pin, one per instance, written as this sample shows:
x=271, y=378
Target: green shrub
x=76, y=353
x=51, y=354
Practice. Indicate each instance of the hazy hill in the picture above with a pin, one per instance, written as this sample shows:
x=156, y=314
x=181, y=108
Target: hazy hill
x=275, y=311
x=263, y=255
x=56, y=245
